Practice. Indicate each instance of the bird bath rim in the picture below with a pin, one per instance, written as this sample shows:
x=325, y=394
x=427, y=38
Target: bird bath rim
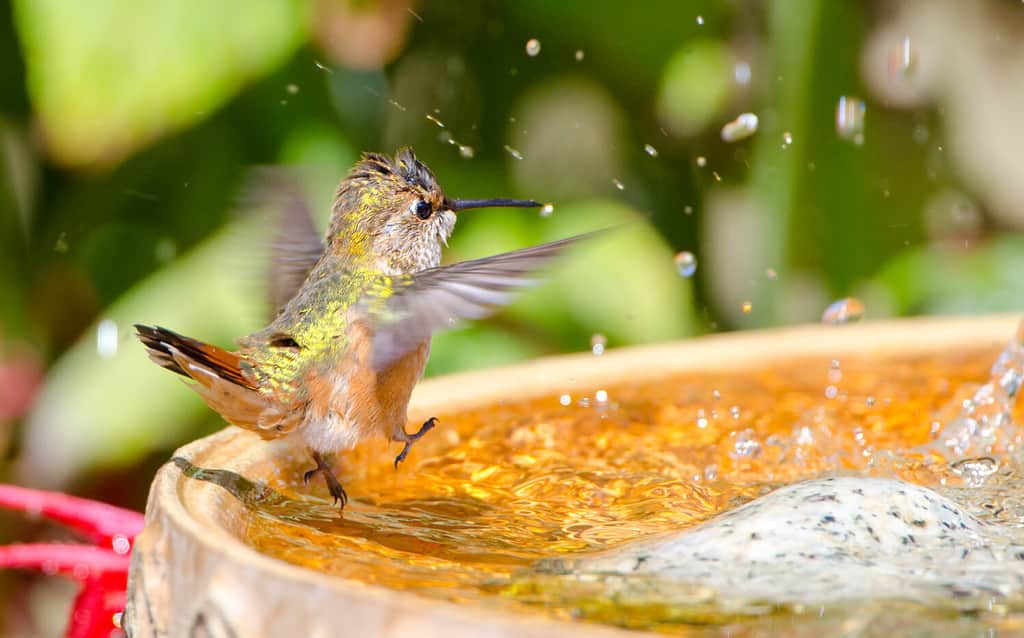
x=189, y=571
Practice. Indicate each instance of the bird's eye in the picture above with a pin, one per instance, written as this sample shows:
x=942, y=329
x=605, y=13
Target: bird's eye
x=423, y=209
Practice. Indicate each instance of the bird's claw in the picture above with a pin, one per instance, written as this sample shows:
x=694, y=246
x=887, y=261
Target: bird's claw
x=409, y=439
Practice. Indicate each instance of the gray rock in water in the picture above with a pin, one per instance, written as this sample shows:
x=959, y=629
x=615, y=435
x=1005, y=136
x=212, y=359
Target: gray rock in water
x=828, y=540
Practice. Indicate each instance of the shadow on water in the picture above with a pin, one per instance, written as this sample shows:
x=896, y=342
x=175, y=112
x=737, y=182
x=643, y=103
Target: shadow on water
x=397, y=526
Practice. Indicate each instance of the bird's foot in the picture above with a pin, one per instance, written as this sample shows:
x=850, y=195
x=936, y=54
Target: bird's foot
x=333, y=484
x=409, y=439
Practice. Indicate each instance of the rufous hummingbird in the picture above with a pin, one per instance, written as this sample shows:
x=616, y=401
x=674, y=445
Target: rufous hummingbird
x=338, y=363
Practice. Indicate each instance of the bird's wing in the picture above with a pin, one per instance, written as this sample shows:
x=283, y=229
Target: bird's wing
x=296, y=245
x=405, y=311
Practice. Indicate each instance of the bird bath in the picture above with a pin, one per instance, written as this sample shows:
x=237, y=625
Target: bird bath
x=579, y=495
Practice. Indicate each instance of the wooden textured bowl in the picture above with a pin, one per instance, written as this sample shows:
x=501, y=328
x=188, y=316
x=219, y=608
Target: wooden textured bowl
x=192, y=576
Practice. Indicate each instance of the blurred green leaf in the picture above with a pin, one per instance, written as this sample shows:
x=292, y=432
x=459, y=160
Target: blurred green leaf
x=104, y=411
x=109, y=75
x=695, y=86
x=949, y=280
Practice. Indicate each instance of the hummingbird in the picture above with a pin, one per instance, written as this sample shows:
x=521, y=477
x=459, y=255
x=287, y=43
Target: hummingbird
x=338, y=363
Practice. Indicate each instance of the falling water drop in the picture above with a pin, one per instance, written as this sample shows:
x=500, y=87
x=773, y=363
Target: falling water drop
x=579, y=55
x=532, y=47
x=747, y=307
x=546, y=210
x=597, y=343
x=902, y=59
x=513, y=152
x=741, y=72
x=106, y=338
x=436, y=121
x=700, y=21
x=618, y=184
x=702, y=161
x=650, y=150
x=845, y=310
x=850, y=113
x=686, y=263
x=741, y=128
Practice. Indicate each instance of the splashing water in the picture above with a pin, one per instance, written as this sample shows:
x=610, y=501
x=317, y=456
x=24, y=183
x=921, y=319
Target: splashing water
x=985, y=423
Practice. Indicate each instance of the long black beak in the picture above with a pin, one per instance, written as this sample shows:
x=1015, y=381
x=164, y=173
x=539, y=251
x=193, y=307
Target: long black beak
x=466, y=204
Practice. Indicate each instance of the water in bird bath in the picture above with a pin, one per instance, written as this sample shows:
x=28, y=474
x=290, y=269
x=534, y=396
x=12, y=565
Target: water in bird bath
x=544, y=506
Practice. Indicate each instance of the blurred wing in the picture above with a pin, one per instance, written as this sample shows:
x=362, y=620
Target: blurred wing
x=437, y=298
x=297, y=245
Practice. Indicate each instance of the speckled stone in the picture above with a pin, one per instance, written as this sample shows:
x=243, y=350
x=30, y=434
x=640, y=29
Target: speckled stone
x=828, y=540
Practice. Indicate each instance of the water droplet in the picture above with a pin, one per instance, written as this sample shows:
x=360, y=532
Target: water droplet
x=579, y=55
x=902, y=59
x=747, y=307
x=106, y=338
x=711, y=472
x=513, y=152
x=532, y=47
x=650, y=150
x=292, y=88
x=850, y=113
x=870, y=401
x=702, y=161
x=61, y=245
x=976, y=470
x=771, y=274
x=716, y=394
x=702, y=422
x=921, y=134
x=831, y=392
x=845, y=310
x=700, y=21
x=120, y=544
x=322, y=66
x=746, y=444
x=565, y=399
x=741, y=72
x=395, y=104
x=686, y=263
x=597, y=343
x=601, y=396
x=546, y=210
x=741, y=128
x=436, y=121
x=466, y=151
x=619, y=185
x=735, y=411
x=687, y=210
x=787, y=139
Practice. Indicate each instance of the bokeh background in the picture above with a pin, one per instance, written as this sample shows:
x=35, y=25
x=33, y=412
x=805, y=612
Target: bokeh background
x=130, y=130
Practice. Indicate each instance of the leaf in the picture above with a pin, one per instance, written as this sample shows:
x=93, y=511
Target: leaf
x=107, y=76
